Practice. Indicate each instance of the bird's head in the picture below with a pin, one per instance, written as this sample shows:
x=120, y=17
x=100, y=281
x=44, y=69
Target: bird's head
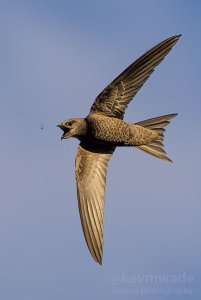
x=73, y=128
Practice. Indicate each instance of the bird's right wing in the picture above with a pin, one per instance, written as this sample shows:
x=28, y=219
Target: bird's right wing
x=114, y=99
x=91, y=168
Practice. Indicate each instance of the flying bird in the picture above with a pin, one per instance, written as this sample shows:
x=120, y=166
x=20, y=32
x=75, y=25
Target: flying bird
x=103, y=130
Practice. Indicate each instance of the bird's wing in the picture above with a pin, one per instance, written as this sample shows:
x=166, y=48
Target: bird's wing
x=91, y=168
x=114, y=99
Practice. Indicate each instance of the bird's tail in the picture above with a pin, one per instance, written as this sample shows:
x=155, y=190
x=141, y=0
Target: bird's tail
x=155, y=148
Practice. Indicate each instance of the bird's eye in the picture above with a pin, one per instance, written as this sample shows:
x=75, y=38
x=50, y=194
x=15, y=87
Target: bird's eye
x=69, y=123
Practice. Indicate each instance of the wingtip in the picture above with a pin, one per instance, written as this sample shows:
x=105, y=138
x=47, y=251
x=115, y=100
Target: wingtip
x=174, y=39
x=174, y=115
x=100, y=259
x=178, y=35
x=169, y=160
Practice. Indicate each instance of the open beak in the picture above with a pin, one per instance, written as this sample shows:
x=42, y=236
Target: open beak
x=66, y=131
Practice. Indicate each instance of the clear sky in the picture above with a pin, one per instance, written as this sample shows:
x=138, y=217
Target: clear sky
x=55, y=57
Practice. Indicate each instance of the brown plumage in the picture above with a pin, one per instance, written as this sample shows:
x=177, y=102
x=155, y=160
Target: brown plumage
x=103, y=130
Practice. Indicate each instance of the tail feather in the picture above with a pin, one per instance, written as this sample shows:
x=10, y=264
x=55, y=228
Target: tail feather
x=157, y=144
x=155, y=148
x=158, y=120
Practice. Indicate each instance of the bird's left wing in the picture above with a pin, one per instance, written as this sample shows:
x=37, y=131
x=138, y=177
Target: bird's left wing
x=114, y=99
x=90, y=169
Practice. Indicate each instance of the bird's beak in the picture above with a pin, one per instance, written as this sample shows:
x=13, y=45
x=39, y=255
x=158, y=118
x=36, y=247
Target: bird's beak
x=66, y=131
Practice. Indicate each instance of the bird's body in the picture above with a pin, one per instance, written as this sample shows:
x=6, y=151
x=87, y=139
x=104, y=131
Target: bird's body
x=103, y=130
x=109, y=130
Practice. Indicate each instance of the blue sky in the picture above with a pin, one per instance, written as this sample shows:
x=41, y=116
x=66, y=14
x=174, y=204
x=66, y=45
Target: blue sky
x=56, y=56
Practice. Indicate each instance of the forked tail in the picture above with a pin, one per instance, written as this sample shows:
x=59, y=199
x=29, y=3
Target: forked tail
x=155, y=148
